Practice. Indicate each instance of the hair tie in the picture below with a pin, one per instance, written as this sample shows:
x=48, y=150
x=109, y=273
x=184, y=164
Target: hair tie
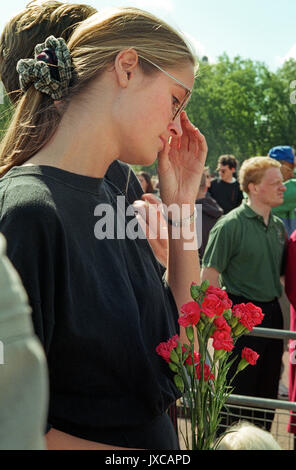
x=50, y=71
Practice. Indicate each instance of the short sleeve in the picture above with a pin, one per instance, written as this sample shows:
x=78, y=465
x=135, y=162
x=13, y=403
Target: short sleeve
x=30, y=232
x=221, y=246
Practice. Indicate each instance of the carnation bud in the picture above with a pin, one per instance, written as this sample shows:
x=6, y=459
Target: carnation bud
x=195, y=292
x=239, y=329
x=228, y=314
x=179, y=349
x=242, y=365
x=189, y=333
x=233, y=321
x=173, y=367
x=174, y=357
x=219, y=354
x=179, y=383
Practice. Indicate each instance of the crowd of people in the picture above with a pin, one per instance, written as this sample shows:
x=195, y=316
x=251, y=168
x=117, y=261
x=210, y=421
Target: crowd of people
x=81, y=316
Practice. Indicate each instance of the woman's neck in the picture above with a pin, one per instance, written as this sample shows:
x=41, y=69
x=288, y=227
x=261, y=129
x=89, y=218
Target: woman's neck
x=80, y=144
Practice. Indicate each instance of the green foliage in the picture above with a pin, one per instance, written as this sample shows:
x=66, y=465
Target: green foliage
x=242, y=108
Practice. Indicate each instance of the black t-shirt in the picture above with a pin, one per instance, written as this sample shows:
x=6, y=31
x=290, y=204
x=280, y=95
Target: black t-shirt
x=99, y=307
x=227, y=195
x=123, y=177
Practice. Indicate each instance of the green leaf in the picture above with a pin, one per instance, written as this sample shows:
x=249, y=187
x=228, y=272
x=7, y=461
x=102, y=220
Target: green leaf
x=174, y=357
x=204, y=286
x=173, y=367
x=179, y=383
x=189, y=333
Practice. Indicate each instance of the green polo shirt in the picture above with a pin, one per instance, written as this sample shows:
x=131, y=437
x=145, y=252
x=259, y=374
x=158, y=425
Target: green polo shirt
x=247, y=253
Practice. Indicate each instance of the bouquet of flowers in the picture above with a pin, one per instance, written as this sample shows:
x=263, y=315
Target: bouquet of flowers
x=202, y=379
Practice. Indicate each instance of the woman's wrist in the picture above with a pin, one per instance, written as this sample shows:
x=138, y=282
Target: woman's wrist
x=180, y=220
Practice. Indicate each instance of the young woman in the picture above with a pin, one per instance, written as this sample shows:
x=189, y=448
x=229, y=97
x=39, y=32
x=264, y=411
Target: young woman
x=100, y=306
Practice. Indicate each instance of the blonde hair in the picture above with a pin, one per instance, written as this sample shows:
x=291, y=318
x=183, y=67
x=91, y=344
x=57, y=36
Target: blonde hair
x=94, y=46
x=245, y=436
x=253, y=169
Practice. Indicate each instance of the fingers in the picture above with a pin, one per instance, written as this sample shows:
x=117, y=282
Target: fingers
x=194, y=140
x=151, y=198
x=150, y=218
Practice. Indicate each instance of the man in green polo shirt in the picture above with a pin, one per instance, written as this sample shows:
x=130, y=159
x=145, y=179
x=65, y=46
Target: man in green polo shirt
x=245, y=254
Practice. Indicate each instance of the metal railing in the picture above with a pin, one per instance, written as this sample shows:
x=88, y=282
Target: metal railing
x=282, y=408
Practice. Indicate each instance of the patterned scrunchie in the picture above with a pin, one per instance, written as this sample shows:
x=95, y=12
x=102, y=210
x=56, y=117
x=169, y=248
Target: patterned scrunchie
x=51, y=70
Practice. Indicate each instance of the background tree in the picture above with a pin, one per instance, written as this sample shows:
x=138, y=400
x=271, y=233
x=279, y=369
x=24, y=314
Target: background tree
x=238, y=104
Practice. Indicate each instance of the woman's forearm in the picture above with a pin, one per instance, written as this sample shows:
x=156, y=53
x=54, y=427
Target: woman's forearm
x=183, y=265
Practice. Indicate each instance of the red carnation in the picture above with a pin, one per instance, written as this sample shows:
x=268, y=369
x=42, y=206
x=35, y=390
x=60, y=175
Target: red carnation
x=248, y=314
x=222, y=340
x=212, y=306
x=191, y=314
x=207, y=372
x=221, y=324
x=164, y=349
x=222, y=296
x=250, y=356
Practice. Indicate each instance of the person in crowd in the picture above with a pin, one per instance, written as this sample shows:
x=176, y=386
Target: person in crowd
x=286, y=211
x=145, y=181
x=23, y=370
x=245, y=436
x=32, y=26
x=290, y=287
x=85, y=104
x=245, y=253
x=225, y=189
x=19, y=37
x=208, y=211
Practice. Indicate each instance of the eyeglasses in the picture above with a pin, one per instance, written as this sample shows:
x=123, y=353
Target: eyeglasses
x=178, y=107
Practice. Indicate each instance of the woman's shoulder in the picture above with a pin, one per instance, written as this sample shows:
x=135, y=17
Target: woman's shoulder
x=25, y=195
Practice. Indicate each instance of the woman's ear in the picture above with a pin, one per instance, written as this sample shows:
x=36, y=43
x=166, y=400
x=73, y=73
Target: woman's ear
x=125, y=64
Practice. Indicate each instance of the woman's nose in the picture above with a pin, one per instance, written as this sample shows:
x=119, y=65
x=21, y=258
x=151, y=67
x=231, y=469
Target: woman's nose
x=175, y=127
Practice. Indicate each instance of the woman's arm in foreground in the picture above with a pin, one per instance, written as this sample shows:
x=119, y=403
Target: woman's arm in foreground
x=180, y=169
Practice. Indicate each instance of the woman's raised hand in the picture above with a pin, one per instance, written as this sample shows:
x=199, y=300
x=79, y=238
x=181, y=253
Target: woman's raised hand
x=181, y=163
